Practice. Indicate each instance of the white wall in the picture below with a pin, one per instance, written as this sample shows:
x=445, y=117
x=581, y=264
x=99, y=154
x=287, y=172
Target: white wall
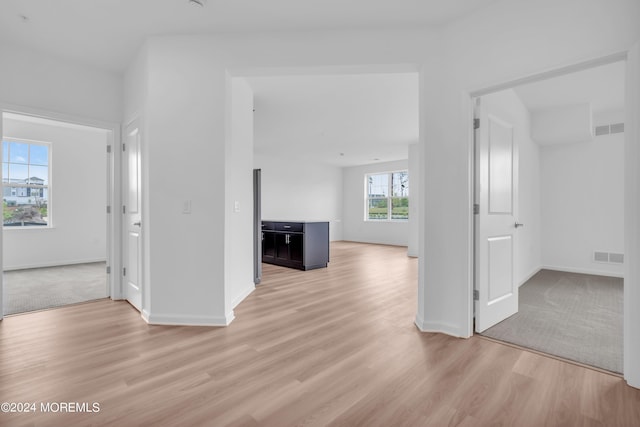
x=37, y=80
x=294, y=190
x=185, y=115
x=239, y=194
x=583, y=202
x=415, y=177
x=136, y=91
x=355, y=227
x=78, y=199
x=500, y=43
x=507, y=106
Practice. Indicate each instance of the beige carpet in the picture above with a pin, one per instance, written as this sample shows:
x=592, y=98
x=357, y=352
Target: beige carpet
x=40, y=288
x=574, y=316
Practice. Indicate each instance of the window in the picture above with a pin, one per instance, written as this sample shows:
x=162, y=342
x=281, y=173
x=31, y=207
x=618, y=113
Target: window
x=25, y=180
x=387, y=196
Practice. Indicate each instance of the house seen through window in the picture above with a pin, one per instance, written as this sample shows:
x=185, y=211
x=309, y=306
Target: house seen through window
x=387, y=196
x=25, y=182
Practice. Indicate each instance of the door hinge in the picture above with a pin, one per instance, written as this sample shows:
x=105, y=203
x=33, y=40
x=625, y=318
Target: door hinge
x=108, y=209
x=124, y=146
x=476, y=209
x=476, y=123
x=476, y=295
x=124, y=209
x=108, y=149
x=124, y=271
x=108, y=269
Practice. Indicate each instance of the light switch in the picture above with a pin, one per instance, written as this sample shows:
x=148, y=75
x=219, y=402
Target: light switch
x=236, y=206
x=186, y=207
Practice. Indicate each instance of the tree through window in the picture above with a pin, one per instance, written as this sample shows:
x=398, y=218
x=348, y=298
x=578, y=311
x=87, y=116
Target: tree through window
x=387, y=196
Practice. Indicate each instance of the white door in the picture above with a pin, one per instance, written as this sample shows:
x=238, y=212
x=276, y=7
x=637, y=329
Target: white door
x=496, y=292
x=132, y=272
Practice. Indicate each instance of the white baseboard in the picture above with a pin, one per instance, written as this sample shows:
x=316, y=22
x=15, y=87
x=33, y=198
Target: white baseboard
x=187, y=320
x=439, y=327
x=583, y=271
x=245, y=293
x=529, y=276
x=51, y=264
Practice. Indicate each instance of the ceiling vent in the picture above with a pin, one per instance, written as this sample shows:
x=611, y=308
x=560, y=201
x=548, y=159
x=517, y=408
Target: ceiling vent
x=609, y=129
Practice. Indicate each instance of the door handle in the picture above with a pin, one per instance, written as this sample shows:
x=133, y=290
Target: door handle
x=519, y=224
x=137, y=223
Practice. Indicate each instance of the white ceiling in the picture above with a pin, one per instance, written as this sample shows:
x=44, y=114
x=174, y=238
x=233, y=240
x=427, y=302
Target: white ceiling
x=342, y=120
x=107, y=33
x=366, y=117
x=374, y=117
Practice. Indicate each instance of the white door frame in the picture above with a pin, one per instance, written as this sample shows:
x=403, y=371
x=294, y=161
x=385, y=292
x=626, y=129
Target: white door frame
x=113, y=188
x=124, y=231
x=632, y=198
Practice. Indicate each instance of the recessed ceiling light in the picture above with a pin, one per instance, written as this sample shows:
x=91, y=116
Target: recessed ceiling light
x=199, y=3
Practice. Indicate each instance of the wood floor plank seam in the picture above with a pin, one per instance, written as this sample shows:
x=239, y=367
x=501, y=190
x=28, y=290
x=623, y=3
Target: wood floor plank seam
x=335, y=346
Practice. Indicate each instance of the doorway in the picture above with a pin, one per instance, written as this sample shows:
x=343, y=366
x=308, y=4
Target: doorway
x=56, y=234
x=572, y=207
x=330, y=130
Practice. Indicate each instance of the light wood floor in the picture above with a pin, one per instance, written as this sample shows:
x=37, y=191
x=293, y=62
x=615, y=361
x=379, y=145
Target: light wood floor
x=334, y=346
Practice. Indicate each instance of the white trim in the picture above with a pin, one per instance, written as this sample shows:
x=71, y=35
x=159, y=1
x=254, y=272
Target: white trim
x=248, y=291
x=54, y=264
x=632, y=220
x=1, y=233
x=113, y=249
x=632, y=198
x=439, y=327
x=530, y=275
x=186, y=320
x=551, y=73
x=388, y=198
x=582, y=271
x=59, y=117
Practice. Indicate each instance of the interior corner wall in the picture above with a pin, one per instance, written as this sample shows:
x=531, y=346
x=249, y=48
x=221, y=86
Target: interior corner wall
x=37, y=80
x=184, y=119
x=583, y=203
x=356, y=229
x=78, y=199
x=136, y=96
x=507, y=105
x=239, y=241
x=413, y=244
x=184, y=160
x=499, y=43
x=301, y=190
x=135, y=83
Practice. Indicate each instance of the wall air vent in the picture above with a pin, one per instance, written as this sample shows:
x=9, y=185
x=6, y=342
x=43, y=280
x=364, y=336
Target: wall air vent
x=617, y=128
x=608, y=257
x=609, y=129
x=616, y=258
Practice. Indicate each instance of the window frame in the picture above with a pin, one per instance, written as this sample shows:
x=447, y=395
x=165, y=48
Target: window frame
x=43, y=188
x=389, y=198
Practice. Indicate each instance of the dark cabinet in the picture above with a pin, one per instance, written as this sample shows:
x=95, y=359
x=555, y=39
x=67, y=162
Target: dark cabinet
x=301, y=245
x=268, y=247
